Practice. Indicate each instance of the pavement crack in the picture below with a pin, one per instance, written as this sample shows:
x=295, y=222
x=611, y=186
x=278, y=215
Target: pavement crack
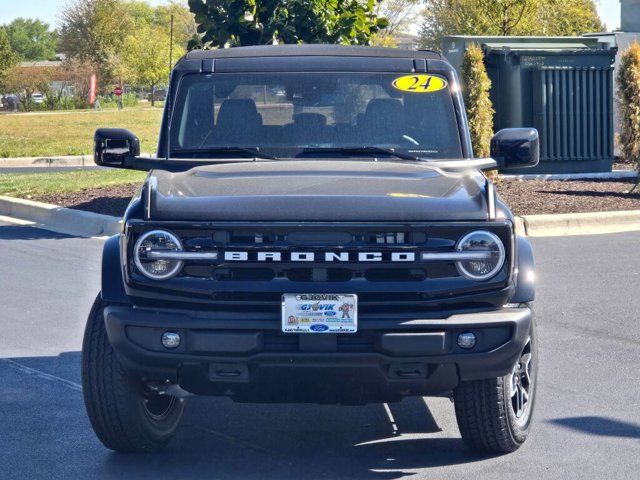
x=231, y=439
x=40, y=374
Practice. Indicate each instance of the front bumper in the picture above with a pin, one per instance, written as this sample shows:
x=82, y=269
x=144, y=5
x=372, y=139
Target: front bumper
x=250, y=360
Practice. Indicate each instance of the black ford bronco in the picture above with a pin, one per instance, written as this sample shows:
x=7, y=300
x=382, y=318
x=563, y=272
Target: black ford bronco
x=314, y=228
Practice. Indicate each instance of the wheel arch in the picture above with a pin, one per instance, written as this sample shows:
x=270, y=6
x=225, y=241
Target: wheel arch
x=525, y=278
x=112, y=274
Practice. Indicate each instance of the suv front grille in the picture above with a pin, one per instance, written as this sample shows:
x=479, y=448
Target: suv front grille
x=383, y=286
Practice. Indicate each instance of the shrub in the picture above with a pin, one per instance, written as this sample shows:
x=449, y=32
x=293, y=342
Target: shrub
x=111, y=101
x=628, y=83
x=476, y=98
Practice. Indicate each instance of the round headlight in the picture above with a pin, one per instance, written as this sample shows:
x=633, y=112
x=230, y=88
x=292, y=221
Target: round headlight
x=489, y=246
x=157, y=241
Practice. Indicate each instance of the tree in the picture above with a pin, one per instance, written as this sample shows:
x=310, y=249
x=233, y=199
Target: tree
x=476, y=98
x=230, y=23
x=25, y=81
x=95, y=31
x=184, y=23
x=8, y=58
x=506, y=17
x=98, y=31
x=568, y=17
x=31, y=39
x=139, y=12
x=146, y=54
x=400, y=14
x=78, y=74
x=628, y=82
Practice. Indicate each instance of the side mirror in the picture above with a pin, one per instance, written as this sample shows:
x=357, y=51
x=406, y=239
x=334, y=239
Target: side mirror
x=516, y=148
x=112, y=146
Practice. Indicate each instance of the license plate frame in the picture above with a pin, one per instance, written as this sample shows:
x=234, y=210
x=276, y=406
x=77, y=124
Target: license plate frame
x=319, y=313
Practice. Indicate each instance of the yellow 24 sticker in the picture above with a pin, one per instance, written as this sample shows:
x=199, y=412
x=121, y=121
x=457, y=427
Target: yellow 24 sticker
x=419, y=83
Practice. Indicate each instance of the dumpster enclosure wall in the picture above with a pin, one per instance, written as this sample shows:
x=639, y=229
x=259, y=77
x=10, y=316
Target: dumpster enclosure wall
x=561, y=86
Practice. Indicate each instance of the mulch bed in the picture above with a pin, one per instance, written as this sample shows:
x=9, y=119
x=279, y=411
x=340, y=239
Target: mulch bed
x=111, y=200
x=533, y=197
x=528, y=197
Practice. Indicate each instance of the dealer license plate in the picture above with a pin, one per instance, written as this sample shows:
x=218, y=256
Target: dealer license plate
x=319, y=313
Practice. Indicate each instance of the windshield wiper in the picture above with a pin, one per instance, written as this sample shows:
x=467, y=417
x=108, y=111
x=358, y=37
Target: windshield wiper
x=251, y=151
x=360, y=150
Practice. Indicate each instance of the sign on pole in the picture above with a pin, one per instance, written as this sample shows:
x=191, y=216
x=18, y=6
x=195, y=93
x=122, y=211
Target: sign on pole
x=118, y=91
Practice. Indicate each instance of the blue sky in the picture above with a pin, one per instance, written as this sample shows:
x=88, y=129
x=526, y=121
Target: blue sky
x=47, y=10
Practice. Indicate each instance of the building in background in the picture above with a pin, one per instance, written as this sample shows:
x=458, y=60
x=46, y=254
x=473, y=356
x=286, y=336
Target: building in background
x=59, y=84
x=406, y=41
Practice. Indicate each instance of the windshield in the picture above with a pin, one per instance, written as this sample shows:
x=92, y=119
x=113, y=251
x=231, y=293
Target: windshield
x=286, y=115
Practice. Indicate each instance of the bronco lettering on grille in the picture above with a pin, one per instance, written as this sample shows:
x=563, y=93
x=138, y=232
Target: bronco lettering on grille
x=329, y=257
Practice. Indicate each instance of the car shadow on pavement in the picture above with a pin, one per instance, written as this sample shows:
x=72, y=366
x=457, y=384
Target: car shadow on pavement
x=45, y=433
x=603, y=426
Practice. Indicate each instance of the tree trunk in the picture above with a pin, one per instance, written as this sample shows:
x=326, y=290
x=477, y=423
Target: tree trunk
x=153, y=95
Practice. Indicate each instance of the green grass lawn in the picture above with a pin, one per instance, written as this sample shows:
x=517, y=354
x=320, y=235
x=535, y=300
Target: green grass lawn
x=71, y=132
x=25, y=185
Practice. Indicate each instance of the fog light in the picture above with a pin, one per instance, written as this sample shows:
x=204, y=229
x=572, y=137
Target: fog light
x=466, y=340
x=172, y=340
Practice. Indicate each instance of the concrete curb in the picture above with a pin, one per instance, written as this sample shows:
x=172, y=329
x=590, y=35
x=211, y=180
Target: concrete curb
x=89, y=224
x=581, y=223
x=67, y=161
x=614, y=175
x=60, y=219
x=54, y=161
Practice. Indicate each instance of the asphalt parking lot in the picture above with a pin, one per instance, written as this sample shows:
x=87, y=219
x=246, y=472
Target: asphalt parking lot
x=587, y=411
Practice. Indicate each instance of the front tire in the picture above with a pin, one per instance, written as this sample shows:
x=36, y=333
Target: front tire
x=494, y=415
x=126, y=415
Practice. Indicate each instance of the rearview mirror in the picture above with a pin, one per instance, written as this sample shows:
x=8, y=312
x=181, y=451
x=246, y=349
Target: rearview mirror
x=112, y=146
x=516, y=148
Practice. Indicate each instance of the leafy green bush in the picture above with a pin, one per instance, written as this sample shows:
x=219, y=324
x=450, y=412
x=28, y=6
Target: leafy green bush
x=476, y=98
x=237, y=23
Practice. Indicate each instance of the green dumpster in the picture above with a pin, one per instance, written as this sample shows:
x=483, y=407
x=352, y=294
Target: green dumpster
x=563, y=86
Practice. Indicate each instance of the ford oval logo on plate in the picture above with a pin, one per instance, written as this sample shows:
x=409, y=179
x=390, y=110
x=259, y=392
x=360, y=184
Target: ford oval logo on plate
x=319, y=327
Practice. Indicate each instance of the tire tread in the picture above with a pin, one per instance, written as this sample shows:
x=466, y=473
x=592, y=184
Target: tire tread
x=109, y=392
x=482, y=416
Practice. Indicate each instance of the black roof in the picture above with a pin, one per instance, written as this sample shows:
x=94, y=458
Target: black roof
x=309, y=50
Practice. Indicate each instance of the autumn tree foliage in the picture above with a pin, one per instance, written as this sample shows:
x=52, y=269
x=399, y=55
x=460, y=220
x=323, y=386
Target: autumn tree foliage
x=8, y=57
x=506, y=17
x=103, y=33
x=628, y=83
x=25, y=81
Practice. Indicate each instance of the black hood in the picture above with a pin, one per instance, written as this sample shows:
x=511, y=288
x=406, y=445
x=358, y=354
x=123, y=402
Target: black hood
x=312, y=190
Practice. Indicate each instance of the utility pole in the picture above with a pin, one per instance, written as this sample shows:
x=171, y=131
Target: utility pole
x=171, y=47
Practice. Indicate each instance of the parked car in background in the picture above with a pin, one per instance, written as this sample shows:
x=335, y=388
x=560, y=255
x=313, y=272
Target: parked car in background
x=10, y=103
x=159, y=95
x=37, y=98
